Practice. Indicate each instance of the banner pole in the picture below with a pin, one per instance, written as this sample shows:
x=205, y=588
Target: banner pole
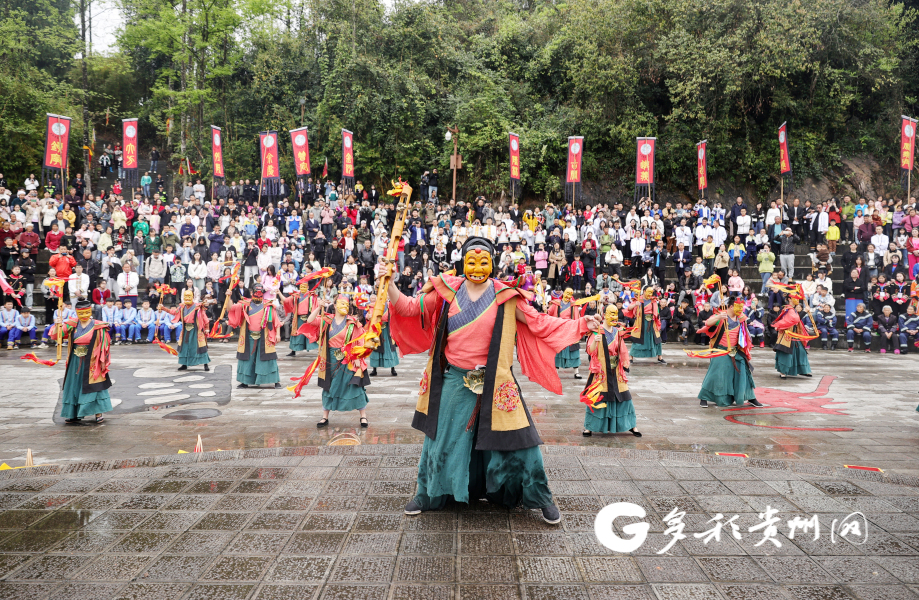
x=782, y=192
x=908, y=182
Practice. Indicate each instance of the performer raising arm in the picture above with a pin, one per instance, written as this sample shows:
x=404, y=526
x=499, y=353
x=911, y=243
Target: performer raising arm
x=193, y=339
x=790, y=354
x=480, y=438
x=256, y=353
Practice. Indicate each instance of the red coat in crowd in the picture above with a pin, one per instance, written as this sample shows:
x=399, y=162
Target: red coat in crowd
x=53, y=240
x=62, y=265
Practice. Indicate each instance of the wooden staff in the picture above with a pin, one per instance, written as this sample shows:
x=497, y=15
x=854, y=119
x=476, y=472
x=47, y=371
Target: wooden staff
x=392, y=251
x=226, y=302
x=60, y=328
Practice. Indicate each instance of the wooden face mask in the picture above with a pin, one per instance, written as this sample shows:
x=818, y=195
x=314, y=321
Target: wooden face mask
x=477, y=266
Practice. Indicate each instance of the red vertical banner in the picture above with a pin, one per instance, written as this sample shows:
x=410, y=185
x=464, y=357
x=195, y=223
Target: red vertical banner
x=644, y=161
x=301, y=143
x=129, y=143
x=702, y=169
x=575, y=156
x=784, y=160
x=907, y=143
x=515, y=156
x=268, y=143
x=57, y=142
x=217, y=151
x=347, y=153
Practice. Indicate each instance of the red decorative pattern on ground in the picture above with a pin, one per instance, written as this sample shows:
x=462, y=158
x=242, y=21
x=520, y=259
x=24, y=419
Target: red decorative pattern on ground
x=810, y=402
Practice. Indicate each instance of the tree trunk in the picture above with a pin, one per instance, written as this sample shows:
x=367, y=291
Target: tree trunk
x=87, y=163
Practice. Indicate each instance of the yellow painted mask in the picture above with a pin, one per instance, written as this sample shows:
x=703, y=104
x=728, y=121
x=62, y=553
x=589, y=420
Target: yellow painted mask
x=477, y=265
x=794, y=301
x=649, y=293
x=738, y=308
x=568, y=295
x=611, y=317
x=343, y=306
x=85, y=314
x=304, y=288
x=188, y=297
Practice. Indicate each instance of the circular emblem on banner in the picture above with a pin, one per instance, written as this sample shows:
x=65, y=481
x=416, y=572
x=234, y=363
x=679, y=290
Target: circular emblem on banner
x=575, y=148
x=646, y=148
x=269, y=141
x=59, y=129
x=701, y=153
x=514, y=145
x=347, y=141
x=781, y=137
x=908, y=130
x=130, y=131
x=216, y=139
x=300, y=139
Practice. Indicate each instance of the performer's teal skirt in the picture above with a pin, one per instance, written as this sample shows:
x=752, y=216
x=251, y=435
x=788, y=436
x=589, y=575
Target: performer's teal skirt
x=648, y=346
x=615, y=417
x=300, y=342
x=75, y=403
x=256, y=371
x=795, y=363
x=569, y=357
x=341, y=395
x=385, y=356
x=451, y=468
x=724, y=385
x=188, y=353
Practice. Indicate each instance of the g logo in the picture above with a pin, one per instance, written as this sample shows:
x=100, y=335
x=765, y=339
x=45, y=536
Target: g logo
x=603, y=527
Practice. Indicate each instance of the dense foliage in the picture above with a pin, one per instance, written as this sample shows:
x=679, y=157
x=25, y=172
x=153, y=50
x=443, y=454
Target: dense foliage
x=839, y=71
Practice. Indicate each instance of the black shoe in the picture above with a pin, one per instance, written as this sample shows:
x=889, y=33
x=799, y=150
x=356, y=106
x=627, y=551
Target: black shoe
x=807, y=374
x=635, y=433
x=364, y=422
x=586, y=433
x=241, y=386
x=373, y=373
x=412, y=508
x=577, y=376
x=182, y=368
x=291, y=353
x=661, y=361
x=277, y=386
x=703, y=403
x=207, y=367
x=551, y=514
x=833, y=346
x=824, y=347
x=393, y=371
x=322, y=423
x=755, y=402
x=73, y=422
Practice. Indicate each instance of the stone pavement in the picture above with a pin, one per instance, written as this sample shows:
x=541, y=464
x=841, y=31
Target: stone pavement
x=858, y=409
x=326, y=523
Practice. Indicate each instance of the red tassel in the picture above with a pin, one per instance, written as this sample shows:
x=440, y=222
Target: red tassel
x=167, y=348
x=35, y=359
x=302, y=381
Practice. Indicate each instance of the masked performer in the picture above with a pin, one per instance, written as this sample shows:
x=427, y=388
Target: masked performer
x=299, y=305
x=729, y=379
x=256, y=353
x=480, y=441
x=86, y=380
x=386, y=354
x=342, y=379
x=647, y=329
x=193, y=339
x=790, y=354
x=564, y=308
x=609, y=402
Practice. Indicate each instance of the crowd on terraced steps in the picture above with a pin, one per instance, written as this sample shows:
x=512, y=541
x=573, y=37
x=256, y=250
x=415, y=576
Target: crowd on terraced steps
x=111, y=246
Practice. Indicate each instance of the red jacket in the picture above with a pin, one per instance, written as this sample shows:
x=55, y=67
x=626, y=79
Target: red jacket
x=99, y=296
x=53, y=240
x=62, y=265
x=29, y=239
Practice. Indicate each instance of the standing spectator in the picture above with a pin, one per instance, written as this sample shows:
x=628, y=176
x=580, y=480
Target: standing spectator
x=154, y=159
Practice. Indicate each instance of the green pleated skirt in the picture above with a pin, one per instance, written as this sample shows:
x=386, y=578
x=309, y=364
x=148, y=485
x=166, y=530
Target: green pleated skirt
x=256, y=371
x=188, y=353
x=615, y=417
x=569, y=357
x=724, y=385
x=342, y=396
x=648, y=346
x=75, y=403
x=795, y=363
x=385, y=356
x=451, y=468
x=300, y=342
